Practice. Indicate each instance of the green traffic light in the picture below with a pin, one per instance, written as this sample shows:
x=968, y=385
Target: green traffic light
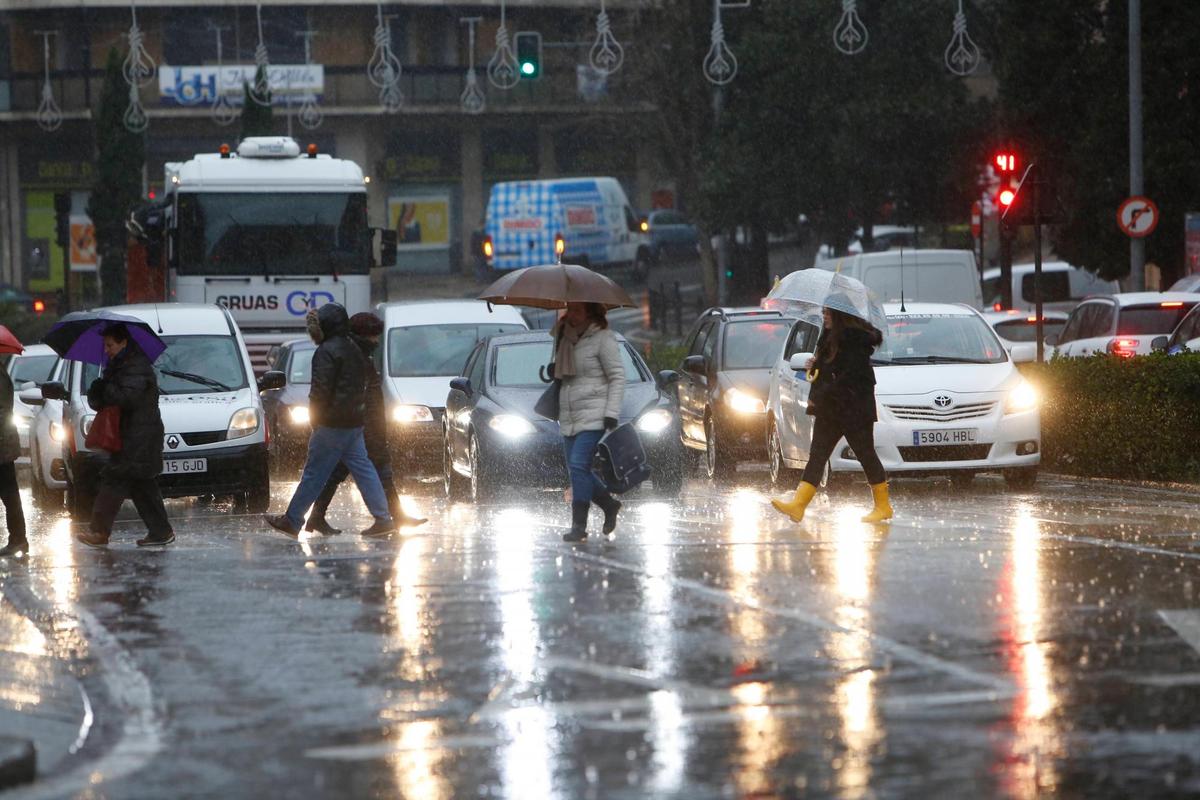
x=528, y=68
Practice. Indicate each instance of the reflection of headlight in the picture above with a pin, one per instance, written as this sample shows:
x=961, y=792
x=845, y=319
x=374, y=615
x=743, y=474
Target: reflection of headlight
x=58, y=432
x=85, y=424
x=1022, y=398
x=511, y=425
x=743, y=403
x=654, y=421
x=20, y=420
x=243, y=423
x=407, y=413
x=298, y=415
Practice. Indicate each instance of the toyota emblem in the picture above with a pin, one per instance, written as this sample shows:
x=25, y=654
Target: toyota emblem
x=942, y=401
x=172, y=441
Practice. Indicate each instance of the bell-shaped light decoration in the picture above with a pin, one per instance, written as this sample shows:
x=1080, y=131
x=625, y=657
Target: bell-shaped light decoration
x=850, y=35
x=502, y=69
x=472, y=98
x=260, y=92
x=606, y=55
x=49, y=115
x=135, y=118
x=138, y=67
x=962, y=54
x=383, y=67
x=720, y=64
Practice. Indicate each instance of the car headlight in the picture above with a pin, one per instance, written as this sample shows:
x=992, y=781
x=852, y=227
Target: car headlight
x=298, y=415
x=744, y=403
x=21, y=421
x=405, y=414
x=85, y=424
x=654, y=421
x=511, y=425
x=58, y=432
x=243, y=423
x=1023, y=398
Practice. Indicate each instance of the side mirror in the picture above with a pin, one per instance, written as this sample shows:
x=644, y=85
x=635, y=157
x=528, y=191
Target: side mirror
x=667, y=377
x=1158, y=344
x=32, y=397
x=54, y=391
x=1052, y=339
x=388, y=242
x=799, y=361
x=1023, y=353
x=28, y=385
x=460, y=385
x=694, y=365
x=272, y=379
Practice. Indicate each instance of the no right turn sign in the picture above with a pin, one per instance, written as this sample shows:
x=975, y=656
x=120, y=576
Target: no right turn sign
x=1137, y=217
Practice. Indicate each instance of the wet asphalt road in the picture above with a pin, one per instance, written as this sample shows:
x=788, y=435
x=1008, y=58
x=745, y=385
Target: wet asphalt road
x=985, y=644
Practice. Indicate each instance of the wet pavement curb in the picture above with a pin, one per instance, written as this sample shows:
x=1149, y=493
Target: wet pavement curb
x=18, y=762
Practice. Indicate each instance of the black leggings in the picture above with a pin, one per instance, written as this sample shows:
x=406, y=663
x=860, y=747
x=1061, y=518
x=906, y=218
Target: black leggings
x=10, y=494
x=827, y=432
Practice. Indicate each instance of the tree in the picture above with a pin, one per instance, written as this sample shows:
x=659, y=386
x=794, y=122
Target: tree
x=257, y=118
x=120, y=161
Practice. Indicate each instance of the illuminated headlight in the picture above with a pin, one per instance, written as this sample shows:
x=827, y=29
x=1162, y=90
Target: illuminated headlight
x=298, y=415
x=21, y=421
x=743, y=403
x=243, y=423
x=85, y=424
x=405, y=414
x=654, y=421
x=1022, y=398
x=511, y=425
x=58, y=432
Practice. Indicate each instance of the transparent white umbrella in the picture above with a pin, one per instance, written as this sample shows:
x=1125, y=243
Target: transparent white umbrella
x=805, y=292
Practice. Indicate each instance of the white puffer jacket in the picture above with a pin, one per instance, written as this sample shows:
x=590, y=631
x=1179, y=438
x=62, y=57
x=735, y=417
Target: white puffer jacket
x=597, y=388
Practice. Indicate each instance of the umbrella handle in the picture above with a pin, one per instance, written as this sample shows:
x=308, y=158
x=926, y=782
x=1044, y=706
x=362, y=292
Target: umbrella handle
x=811, y=375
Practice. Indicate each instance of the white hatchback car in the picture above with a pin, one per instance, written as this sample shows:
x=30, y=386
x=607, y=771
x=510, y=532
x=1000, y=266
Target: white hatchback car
x=27, y=371
x=949, y=399
x=1122, y=324
x=1020, y=327
x=47, y=434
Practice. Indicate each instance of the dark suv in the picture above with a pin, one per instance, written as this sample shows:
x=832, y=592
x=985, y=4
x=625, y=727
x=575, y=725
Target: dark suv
x=723, y=384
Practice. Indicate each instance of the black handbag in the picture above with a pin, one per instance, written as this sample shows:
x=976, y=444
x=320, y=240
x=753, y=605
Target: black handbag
x=620, y=462
x=547, y=404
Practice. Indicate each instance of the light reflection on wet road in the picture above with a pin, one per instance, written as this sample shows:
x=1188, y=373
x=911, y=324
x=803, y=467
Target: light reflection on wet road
x=984, y=644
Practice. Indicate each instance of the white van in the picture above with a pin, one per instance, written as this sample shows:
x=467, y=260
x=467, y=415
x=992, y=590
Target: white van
x=424, y=347
x=927, y=276
x=215, y=440
x=1063, y=286
x=592, y=217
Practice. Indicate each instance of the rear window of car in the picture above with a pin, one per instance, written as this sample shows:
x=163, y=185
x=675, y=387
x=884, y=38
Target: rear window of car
x=1022, y=330
x=519, y=364
x=1151, y=319
x=429, y=351
x=754, y=344
x=300, y=370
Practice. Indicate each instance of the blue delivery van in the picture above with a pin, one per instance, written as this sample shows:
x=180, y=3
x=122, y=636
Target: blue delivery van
x=590, y=217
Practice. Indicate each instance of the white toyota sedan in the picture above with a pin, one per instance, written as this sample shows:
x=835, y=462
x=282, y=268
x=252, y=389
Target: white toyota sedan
x=950, y=401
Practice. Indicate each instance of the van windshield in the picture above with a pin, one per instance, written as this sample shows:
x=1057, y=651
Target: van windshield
x=927, y=282
x=192, y=365
x=430, y=351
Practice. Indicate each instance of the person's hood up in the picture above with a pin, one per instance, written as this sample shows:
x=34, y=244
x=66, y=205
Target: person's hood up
x=332, y=320
x=366, y=345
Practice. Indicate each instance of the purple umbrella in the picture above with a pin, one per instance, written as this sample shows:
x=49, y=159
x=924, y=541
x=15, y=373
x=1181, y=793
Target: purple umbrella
x=77, y=336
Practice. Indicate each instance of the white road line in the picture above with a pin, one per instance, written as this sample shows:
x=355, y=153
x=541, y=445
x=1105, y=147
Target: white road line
x=1139, y=548
x=367, y=752
x=1186, y=623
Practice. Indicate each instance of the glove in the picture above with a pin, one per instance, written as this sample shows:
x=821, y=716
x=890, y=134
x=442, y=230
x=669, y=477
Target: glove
x=610, y=423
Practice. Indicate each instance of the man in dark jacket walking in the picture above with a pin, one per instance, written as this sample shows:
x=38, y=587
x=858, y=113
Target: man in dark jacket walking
x=129, y=382
x=365, y=331
x=337, y=409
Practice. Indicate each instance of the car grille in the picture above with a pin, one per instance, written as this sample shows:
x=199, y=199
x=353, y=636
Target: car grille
x=203, y=437
x=946, y=452
x=933, y=414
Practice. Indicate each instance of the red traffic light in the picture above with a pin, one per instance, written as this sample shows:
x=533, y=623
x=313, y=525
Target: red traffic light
x=1005, y=198
x=39, y=306
x=1006, y=163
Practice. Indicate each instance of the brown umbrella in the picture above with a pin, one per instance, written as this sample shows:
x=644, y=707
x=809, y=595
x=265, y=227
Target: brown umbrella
x=555, y=285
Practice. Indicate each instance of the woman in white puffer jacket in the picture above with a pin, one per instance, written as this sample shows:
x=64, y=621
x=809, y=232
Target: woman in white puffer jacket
x=587, y=360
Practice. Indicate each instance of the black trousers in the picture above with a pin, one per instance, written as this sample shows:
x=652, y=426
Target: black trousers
x=826, y=433
x=383, y=466
x=115, y=487
x=10, y=494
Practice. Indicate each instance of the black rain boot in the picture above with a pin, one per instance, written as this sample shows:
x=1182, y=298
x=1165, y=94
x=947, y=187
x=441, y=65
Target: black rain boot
x=316, y=517
x=610, y=506
x=579, y=515
x=17, y=547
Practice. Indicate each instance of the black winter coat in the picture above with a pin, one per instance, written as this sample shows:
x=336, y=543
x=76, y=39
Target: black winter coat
x=337, y=395
x=129, y=382
x=375, y=426
x=845, y=387
x=10, y=442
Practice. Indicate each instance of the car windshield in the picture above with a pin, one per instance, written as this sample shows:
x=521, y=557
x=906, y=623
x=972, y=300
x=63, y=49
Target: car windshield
x=430, y=351
x=754, y=344
x=32, y=368
x=300, y=370
x=192, y=365
x=265, y=233
x=1022, y=330
x=938, y=339
x=518, y=364
x=1155, y=319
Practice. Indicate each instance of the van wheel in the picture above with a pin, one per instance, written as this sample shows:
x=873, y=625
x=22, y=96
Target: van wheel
x=641, y=265
x=258, y=499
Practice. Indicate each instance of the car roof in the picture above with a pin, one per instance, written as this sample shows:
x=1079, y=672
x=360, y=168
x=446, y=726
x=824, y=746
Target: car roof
x=36, y=350
x=531, y=336
x=996, y=317
x=434, y=312
x=299, y=344
x=917, y=309
x=178, y=319
x=1124, y=299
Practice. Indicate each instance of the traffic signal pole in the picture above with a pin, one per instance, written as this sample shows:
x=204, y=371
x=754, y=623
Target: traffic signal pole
x=1137, y=245
x=62, y=228
x=1006, y=257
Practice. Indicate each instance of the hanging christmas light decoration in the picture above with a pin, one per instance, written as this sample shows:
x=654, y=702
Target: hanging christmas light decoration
x=720, y=64
x=384, y=68
x=139, y=66
x=850, y=36
x=135, y=118
x=260, y=92
x=502, y=68
x=221, y=110
x=962, y=54
x=472, y=99
x=310, y=114
x=49, y=115
x=606, y=55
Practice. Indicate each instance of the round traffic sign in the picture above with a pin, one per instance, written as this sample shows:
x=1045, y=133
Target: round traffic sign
x=1137, y=217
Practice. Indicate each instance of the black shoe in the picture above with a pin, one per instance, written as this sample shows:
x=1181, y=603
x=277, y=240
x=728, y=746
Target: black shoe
x=16, y=548
x=579, y=518
x=157, y=541
x=322, y=527
x=379, y=530
x=610, y=506
x=280, y=523
x=405, y=521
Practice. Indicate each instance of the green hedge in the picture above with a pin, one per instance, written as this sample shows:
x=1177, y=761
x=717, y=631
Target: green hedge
x=1136, y=418
x=664, y=356
x=28, y=328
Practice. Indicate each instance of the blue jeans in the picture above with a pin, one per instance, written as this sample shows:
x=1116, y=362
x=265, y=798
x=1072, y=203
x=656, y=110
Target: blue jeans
x=326, y=447
x=579, y=450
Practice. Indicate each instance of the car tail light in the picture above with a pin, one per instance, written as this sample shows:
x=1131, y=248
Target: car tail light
x=997, y=307
x=1125, y=348
x=1173, y=304
x=488, y=250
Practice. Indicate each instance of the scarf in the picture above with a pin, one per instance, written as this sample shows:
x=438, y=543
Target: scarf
x=564, y=357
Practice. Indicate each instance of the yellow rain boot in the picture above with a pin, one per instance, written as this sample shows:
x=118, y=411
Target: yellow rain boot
x=883, y=508
x=800, y=500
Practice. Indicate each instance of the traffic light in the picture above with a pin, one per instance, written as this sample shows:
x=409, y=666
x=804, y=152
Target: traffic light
x=529, y=55
x=1005, y=162
x=1005, y=198
x=62, y=218
x=39, y=306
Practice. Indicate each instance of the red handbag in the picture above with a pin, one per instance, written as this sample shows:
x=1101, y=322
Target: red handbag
x=105, y=433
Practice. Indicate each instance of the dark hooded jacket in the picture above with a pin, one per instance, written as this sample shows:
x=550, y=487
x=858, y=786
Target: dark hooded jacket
x=845, y=385
x=375, y=427
x=337, y=395
x=129, y=382
x=10, y=442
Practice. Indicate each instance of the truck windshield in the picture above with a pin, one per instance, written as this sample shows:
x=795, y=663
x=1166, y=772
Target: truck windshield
x=269, y=233
x=192, y=365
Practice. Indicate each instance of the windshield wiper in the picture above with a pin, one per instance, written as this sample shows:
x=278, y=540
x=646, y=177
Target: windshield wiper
x=938, y=360
x=194, y=378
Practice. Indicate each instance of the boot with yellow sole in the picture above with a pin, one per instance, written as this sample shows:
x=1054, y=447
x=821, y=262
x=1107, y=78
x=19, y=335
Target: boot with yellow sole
x=795, y=507
x=883, y=507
